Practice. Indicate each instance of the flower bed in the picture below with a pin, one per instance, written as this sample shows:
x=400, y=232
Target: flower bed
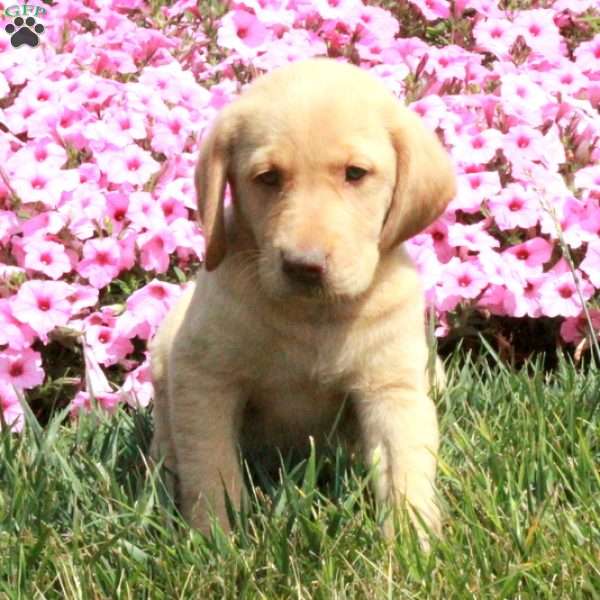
x=100, y=123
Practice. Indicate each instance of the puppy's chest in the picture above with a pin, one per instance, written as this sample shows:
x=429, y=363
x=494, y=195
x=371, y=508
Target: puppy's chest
x=301, y=358
x=307, y=403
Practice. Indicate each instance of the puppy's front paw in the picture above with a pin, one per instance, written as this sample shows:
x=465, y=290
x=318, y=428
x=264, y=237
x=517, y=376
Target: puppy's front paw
x=427, y=522
x=201, y=514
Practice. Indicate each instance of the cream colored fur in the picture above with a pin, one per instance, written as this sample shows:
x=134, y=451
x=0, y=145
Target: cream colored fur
x=247, y=359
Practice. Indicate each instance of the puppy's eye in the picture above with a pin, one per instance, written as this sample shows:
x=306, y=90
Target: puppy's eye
x=355, y=173
x=271, y=178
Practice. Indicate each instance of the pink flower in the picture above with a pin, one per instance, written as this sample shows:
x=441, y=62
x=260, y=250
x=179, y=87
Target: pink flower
x=47, y=257
x=114, y=61
x=567, y=79
x=454, y=62
x=180, y=7
x=474, y=189
x=10, y=408
x=41, y=92
x=523, y=295
x=559, y=296
x=587, y=55
x=144, y=211
x=499, y=269
x=34, y=186
x=379, y=24
x=577, y=8
x=553, y=154
x=84, y=210
x=147, y=307
x=496, y=35
x=433, y=9
x=420, y=249
x=495, y=299
x=523, y=143
x=42, y=305
x=117, y=204
x=171, y=132
x=478, y=147
x=514, y=206
x=334, y=10
x=90, y=91
x=439, y=236
x=17, y=116
x=131, y=124
x=534, y=252
x=21, y=369
x=432, y=109
x=127, y=248
x=460, y=280
x=137, y=389
x=588, y=179
x=580, y=222
x=523, y=98
x=48, y=222
x=44, y=153
x=8, y=225
x=13, y=333
x=393, y=76
x=472, y=237
x=101, y=261
x=590, y=265
x=4, y=87
x=81, y=403
x=241, y=31
x=170, y=83
x=98, y=388
x=129, y=165
x=82, y=296
x=574, y=329
x=187, y=235
x=156, y=248
x=119, y=128
x=180, y=189
x=65, y=123
x=540, y=32
x=173, y=209
x=106, y=345
x=293, y=45
x=84, y=402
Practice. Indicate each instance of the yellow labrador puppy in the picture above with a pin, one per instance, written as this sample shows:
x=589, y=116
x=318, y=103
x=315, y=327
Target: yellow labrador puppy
x=307, y=301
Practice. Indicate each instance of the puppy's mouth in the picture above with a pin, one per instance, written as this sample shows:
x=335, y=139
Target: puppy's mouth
x=308, y=277
x=309, y=290
x=302, y=274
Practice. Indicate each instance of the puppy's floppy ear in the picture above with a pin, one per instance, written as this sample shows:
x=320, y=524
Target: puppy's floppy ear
x=211, y=178
x=425, y=181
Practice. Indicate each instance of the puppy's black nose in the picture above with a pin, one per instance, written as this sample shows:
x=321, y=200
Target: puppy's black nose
x=307, y=267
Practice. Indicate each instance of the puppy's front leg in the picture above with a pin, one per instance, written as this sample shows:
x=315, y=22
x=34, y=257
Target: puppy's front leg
x=205, y=422
x=400, y=439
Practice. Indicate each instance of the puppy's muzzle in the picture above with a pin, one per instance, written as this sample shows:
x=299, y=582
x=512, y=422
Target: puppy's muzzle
x=306, y=268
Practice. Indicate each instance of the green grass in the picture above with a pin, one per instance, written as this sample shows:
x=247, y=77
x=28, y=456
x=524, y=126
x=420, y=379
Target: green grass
x=81, y=516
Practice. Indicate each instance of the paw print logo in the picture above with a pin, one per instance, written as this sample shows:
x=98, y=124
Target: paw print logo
x=24, y=31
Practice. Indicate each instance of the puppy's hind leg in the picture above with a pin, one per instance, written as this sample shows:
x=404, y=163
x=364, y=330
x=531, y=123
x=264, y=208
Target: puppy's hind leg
x=163, y=445
x=162, y=448
x=206, y=414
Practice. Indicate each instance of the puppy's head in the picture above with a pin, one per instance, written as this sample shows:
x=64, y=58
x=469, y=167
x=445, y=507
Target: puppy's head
x=328, y=171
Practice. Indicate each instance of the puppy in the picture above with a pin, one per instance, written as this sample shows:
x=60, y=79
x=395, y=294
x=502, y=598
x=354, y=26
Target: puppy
x=308, y=311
